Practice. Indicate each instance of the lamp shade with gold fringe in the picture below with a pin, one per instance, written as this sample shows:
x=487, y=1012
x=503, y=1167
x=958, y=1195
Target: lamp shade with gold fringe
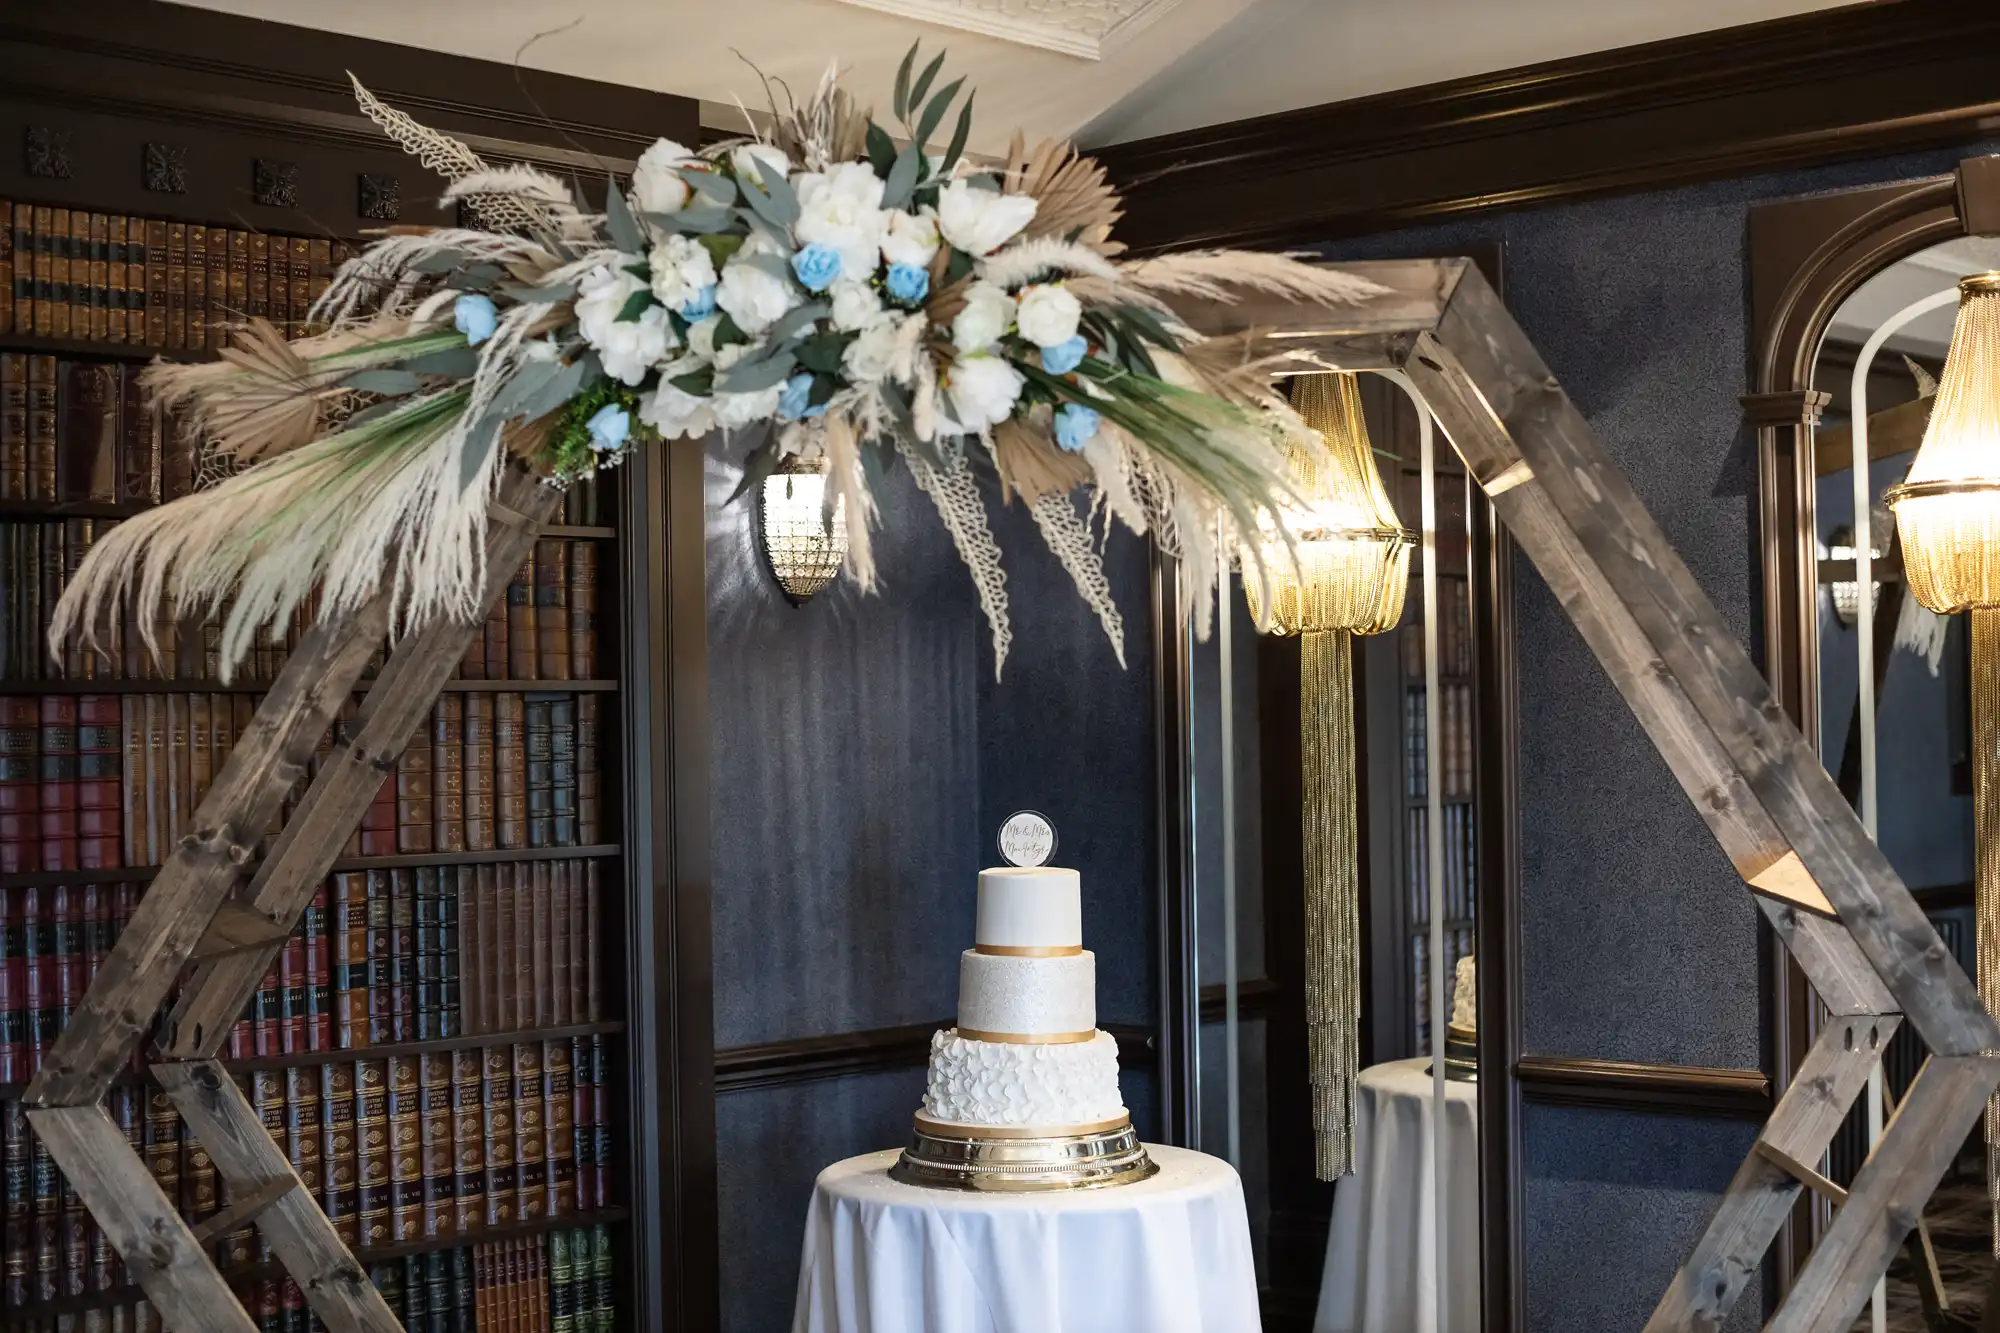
x=1339, y=567
x=1948, y=524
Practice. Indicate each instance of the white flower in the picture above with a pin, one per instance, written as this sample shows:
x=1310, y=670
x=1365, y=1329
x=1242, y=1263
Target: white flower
x=1048, y=314
x=701, y=337
x=733, y=410
x=656, y=186
x=855, y=306
x=675, y=413
x=984, y=390
x=751, y=296
x=981, y=221
x=681, y=266
x=631, y=347
x=602, y=294
x=988, y=311
x=911, y=238
x=871, y=356
x=744, y=160
x=842, y=207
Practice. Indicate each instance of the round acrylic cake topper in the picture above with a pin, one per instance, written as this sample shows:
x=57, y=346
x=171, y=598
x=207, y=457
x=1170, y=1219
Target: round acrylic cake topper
x=1027, y=839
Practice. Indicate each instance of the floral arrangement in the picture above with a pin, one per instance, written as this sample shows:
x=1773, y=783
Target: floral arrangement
x=845, y=295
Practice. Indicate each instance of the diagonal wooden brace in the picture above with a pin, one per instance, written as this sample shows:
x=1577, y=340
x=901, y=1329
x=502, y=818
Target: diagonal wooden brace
x=300, y=1234
x=397, y=703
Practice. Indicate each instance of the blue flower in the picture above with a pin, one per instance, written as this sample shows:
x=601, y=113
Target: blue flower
x=1075, y=425
x=475, y=317
x=609, y=428
x=699, y=306
x=906, y=283
x=817, y=266
x=792, y=402
x=1064, y=356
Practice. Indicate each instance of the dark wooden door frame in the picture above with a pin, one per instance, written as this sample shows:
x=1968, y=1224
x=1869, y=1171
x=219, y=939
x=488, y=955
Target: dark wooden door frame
x=1806, y=256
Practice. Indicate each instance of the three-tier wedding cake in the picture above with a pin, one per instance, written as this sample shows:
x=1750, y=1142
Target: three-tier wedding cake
x=1023, y=1092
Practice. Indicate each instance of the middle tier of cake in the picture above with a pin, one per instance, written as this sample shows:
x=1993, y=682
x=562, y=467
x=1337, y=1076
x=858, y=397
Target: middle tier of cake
x=1006, y=998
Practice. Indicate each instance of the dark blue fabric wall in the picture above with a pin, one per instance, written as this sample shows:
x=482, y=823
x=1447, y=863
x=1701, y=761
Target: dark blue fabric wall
x=1639, y=942
x=864, y=757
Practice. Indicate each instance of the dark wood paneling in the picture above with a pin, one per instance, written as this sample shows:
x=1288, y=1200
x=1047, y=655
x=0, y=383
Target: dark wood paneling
x=1178, y=946
x=1858, y=81
x=1574, y=1080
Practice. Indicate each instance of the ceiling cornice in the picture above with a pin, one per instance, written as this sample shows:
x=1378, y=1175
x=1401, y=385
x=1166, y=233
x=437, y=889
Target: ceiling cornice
x=1857, y=81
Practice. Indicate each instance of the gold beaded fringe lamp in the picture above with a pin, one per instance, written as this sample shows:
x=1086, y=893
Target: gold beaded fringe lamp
x=1344, y=573
x=805, y=543
x=1948, y=522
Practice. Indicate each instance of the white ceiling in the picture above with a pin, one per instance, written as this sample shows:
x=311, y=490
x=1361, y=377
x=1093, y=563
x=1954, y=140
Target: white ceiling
x=1937, y=269
x=1201, y=62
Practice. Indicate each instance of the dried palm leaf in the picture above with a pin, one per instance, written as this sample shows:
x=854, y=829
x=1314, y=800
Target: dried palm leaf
x=1073, y=197
x=1220, y=275
x=1030, y=464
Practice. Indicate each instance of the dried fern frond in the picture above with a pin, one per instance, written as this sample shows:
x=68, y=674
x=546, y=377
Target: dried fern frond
x=1218, y=275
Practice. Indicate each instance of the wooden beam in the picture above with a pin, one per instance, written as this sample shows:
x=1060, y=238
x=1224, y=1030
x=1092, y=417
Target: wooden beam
x=397, y=703
x=1787, y=878
x=1800, y=1172
x=299, y=1233
x=235, y=928
x=243, y=1209
x=145, y=1228
x=269, y=758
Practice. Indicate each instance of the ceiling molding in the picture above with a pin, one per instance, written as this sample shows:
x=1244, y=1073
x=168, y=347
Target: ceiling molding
x=1090, y=29
x=1858, y=81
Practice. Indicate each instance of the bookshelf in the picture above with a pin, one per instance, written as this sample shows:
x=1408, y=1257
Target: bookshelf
x=439, y=1047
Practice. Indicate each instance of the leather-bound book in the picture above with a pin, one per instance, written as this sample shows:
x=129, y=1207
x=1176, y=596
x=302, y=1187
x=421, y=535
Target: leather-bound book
x=45, y=1181
x=340, y=1159
x=603, y=1304
x=378, y=822
x=43, y=324
x=538, y=1282
x=521, y=980
x=448, y=773
x=522, y=642
x=180, y=813
x=593, y=947
x=350, y=960
x=100, y=277
x=163, y=1142
x=559, y=1127
x=531, y=1184
x=177, y=465
x=63, y=903
x=583, y=1138
x=87, y=431
x=75, y=1224
x=464, y=1291
x=116, y=257
x=139, y=431
x=305, y=1146
x=414, y=797
x=21, y=288
x=562, y=1283
x=540, y=737
x=541, y=953
x=476, y=771
x=54, y=240
x=381, y=1014
x=159, y=281
x=575, y=929
x=402, y=956
x=497, y=1133
x=554, y=983
x=7, y=266
x=320, y=267
x=510, y=770
x=20, y=786
x=563, y=789
x=493, y=638
x=221, y=307
x=439, y=1179
x=298, y=282
x=82, y=302
x=16, y=1203
x=583, y=609
x=13, y=426
x=58, y=774
x=456, y=883
x=600, y=1123
x=406, y=1148
x=14, y=1014
x=471, y=946
x=371, y=1134
x=292, y=991
x=257, y=278
x=42, y=389
x=72, y=538
x=485, y=1304
x=99, y=769
x=468, y=1140
x=429, y=941
x=201, y=747
x=510, y=887
x=200, y=1190
x=177, y=284
x=552, y=654
x=159, y=765
x=319, y=969
x=267, y=1009
x=236, y=294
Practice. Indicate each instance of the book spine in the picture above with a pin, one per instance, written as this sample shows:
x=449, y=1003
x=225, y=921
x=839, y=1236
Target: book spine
x=305, y=1140
x=298, y=283
x=319, y=970
x=583, y=1138
x=402, y=956
x=58, y=771
x=531, y=1182
x=292, y=992
x=523, y=652
x=371, y=1135
x=559, y=1127
x=539, y=734
x=99, y=778
x=406, y=1147
x=22, y=284
x=476, y=772
x=116, y=282
x=510, y=770
x=55, y=240
x=13, y=986
x=552, y=626
x=139, y=427
x=542, y=876
x=468, y=1140
x=6, y=267
x=16, y=1202
x=497, y=1134
x=556, y=980
x=350, y=960
x=380, y=1013
x=267, y=1014
x=187, y=284
x=414, y=797
x=45, y=1182
x=80, y=321
x=493, y=636
x=87, y=431
x=321, y=266
x=583, y=609
x=42, y=324
x=216, y=307
x=452, y=882
x=562, y=1284
x=439, y=1178
x=257, y=278
x=43, y=380
x=563, y=787
x=448, y=774
x=520, y=978
x=427, y=963
x=20, y=785
x=159, y=299
x=100, y=279
x=13, y=429
x=600, y=1123
x=592, y=943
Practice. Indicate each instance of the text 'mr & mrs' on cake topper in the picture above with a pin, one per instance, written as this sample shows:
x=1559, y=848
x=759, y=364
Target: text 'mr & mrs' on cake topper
x=1027, y=839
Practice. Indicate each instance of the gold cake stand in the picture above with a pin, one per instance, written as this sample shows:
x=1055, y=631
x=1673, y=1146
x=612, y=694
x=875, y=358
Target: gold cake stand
x=1023, y=1159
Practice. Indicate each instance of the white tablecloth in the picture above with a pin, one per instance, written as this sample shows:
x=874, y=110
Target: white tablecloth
x=1381, y=1259
x=1166, y=1255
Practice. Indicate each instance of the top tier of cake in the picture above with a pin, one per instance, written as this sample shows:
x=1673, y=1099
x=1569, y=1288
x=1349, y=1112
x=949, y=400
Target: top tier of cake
x=1029, y=908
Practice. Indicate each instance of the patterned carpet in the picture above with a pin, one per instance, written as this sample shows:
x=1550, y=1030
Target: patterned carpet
x=1961, y=1233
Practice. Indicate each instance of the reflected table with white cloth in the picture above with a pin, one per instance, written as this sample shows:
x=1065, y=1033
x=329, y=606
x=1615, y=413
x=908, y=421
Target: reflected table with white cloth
x=1170, y=1254
x=1381, y=1253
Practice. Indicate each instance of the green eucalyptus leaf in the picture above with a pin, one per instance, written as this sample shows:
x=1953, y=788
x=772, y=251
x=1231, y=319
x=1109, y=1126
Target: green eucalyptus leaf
x=460, y=363
x=439, y=261
x=822, y=352
x=561, y=291
x=934, y=113
x=881, y=149
x=902, y=102
x=565, y=384
x=695, y=219
x=958, y=136
x=761, y=463
x=958, y=266
x=923, y=85
x=392, y=383
x=824, y=386
x=475, y=277
x=637, y=304
x=477, y=457
x=758, y=375
x=618, y=220
x=728, y=332
x=700, y=383
x=903, y=176
x=784, y=201
x=720, y=248
x=778, y=266
x=795, y=319
x=524, y=384
x=775, y=232
x=710, y=185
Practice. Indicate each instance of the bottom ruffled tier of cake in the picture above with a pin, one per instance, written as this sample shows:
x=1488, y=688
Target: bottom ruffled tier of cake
x=1010, y=1083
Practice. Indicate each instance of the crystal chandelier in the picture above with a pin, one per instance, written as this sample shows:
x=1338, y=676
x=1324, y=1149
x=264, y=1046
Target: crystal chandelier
x=1344, y=571
x=805, y=538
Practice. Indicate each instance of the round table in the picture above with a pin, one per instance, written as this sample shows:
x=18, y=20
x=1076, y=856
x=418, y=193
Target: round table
x=1170, y=1254
x=1381, y=1257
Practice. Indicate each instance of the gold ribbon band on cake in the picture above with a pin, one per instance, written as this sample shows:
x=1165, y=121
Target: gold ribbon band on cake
x=945, y=1129
x=1027, y=1038
x=1028, y=951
